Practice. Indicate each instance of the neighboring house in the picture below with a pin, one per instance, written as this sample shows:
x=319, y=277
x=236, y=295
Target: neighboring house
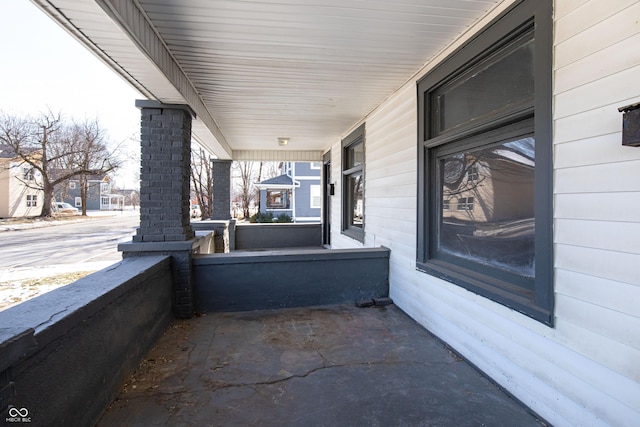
x=99, y=194
x=296, y=192
x=18, y=197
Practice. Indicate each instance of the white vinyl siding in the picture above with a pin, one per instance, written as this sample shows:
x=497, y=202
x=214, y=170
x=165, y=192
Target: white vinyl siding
x=597, y=192
x=585, y=370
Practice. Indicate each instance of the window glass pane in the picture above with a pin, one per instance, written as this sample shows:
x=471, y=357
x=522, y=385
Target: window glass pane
x=493, y=86
x=278, y=199
x=487, y=205
x=355, y=199
x=355, y=155
x=316, y=199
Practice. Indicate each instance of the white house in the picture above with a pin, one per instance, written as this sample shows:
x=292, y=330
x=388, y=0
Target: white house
x=20, y=195
x=479, y=140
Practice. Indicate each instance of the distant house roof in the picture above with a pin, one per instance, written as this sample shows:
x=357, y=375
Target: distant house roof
x=7, y=152
x=278, y=180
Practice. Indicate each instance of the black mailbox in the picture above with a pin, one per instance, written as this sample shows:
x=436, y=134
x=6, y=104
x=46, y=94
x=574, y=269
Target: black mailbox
x=631, y=125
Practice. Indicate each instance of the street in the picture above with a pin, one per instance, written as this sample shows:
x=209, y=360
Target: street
x=95, y=239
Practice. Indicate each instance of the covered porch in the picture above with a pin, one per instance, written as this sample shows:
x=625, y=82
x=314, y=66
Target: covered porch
x=251, y=351
x=410, y=107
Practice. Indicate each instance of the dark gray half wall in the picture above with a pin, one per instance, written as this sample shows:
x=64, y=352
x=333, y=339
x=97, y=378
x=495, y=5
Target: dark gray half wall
x=289, y=278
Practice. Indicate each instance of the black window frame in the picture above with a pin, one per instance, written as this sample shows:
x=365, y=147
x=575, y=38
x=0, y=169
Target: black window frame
x=525, y=15
x=356, y=137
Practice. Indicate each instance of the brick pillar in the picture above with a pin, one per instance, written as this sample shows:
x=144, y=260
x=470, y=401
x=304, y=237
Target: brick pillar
x=165, y=134
x=165, y=226
x=221, y=190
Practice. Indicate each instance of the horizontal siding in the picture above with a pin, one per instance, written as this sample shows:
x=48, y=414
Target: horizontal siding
x=587, y=14
x=606, y=235
x=605, y=178
x=619, y=206
x=612, y=265
x=583, y=371
x=565, y=7
x=602, y=120
x=601, y=149
x=604, y=63
x=617, y=326
x=599, y=33
x=610, y=90
x=390, y=204
x=601, y=349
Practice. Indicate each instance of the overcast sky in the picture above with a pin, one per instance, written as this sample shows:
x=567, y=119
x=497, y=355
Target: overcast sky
x=43, y=67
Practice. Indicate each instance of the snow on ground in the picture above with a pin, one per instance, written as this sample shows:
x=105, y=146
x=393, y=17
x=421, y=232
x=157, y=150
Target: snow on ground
x=21, y=284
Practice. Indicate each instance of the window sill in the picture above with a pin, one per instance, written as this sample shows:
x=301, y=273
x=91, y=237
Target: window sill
x=513, y=297
x=354, y=233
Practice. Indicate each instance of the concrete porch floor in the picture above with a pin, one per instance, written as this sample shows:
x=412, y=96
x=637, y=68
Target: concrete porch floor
x=321, y=366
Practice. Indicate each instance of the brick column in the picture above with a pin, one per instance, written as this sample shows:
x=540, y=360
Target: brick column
x=165, y=226
x=165, y=134
x=221, y=190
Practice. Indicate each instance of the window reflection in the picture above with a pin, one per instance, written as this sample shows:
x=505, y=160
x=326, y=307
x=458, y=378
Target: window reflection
x=278, y=199
x=355, y=189
x=355, y=155
x=498, y=84
x=487, y=205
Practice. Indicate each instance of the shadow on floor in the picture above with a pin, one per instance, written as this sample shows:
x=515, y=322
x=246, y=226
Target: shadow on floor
x=326, y=366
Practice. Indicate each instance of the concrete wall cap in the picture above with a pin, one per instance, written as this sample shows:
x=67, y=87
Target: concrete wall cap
x=149, y=103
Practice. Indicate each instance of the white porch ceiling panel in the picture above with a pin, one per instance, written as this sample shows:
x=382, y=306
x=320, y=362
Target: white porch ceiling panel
x=304, y=69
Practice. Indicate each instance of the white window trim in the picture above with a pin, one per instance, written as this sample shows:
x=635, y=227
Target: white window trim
x=312, y=190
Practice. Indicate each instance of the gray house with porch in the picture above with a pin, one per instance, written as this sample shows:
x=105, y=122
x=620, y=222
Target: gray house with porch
x=296, y=193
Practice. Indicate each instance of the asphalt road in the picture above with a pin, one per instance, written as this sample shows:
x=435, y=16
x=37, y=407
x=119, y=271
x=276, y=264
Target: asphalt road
x=95, y=239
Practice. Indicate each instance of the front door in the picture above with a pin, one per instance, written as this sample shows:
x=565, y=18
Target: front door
x=327, y=192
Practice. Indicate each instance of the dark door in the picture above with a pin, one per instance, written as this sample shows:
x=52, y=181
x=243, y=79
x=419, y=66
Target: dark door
x=327, y=192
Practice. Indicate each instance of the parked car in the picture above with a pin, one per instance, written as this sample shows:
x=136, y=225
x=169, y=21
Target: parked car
x=65, y=208
x=195, y=211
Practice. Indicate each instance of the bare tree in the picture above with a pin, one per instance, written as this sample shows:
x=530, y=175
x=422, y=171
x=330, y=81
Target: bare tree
x=202, y=180
x=88, y=155
x=57, y=150
x=245, y=175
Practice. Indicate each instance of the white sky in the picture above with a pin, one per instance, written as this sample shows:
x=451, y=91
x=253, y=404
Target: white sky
x=42, y=67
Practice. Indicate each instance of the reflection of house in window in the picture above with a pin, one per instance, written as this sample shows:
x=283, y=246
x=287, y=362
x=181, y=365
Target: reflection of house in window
x=472, y=173
x=28, y=174
x=353, y=184
x=278, y=199
x=484, y=129
x=465, y=204
x=446, y=204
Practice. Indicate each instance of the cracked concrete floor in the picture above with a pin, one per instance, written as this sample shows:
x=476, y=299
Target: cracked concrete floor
x=327, y=366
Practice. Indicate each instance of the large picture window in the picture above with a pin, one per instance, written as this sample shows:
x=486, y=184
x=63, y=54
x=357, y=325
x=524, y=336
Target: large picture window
x=353, y=184
x=485, y=217
x=279, y=199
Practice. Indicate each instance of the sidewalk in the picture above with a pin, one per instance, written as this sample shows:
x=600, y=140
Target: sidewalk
x=15, y=224
x=326, y=366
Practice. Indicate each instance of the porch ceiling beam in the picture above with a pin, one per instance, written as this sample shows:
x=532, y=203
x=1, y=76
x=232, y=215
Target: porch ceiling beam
x=278, y=155
x=136, y=24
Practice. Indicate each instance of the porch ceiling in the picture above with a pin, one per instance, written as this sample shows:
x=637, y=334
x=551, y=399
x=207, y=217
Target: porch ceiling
x=256, y=70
